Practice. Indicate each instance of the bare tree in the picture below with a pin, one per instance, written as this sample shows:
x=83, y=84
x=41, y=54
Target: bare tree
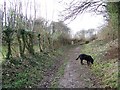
x=76, y=7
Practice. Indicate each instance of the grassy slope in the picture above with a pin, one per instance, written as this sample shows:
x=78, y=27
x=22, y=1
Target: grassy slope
x=29, y=71
x=105, y=66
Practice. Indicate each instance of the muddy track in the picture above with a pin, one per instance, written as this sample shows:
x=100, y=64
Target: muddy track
x=77, y=75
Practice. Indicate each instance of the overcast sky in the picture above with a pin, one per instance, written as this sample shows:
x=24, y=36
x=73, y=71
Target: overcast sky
x=49, y=9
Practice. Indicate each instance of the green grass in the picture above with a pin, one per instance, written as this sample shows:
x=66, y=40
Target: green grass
x=60, y=73
x=29, y=71
x=105, y=70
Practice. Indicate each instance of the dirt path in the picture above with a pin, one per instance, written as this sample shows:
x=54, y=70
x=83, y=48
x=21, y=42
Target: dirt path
x=75, y=74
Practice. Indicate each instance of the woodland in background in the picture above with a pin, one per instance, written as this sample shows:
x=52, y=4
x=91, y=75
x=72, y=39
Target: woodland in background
x=29, y=46
x=21, y=35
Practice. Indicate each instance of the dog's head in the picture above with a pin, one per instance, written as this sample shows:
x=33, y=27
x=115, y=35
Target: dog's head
x=92, y=60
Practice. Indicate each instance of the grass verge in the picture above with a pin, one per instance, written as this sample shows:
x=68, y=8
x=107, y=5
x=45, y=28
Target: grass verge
x=106, y=69
x=60, y=73
x=27, y=72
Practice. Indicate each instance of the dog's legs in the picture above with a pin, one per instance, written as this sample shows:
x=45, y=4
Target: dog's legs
x=82, y=62
x=88, y=63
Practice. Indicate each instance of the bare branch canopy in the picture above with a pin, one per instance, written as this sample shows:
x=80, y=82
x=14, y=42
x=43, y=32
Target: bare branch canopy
x=77, y=7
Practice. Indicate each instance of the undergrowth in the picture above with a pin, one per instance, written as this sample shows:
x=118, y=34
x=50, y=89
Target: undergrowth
x=27, y=72
x=106, y=70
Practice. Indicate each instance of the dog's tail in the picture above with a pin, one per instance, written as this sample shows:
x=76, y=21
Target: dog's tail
x=77, y=58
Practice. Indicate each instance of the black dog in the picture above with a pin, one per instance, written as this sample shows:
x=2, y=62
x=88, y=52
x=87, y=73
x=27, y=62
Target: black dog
x=88, y=58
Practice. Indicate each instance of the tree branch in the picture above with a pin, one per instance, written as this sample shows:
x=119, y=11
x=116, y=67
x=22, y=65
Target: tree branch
x=78, y=7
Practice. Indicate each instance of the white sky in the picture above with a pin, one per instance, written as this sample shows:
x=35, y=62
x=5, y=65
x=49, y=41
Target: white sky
x=86, y=21
x=49, y=9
